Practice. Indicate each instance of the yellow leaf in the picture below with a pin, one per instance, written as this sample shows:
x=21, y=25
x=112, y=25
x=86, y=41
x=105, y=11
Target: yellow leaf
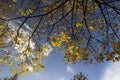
x=78, y=25
x=71, y=51
x=45, y=47
x=8, y=35
x=12, y=71
x=77, y=49
x=81, y=41
x=1, y=59
x=14, y=0
x=78, y=55
x=41, y=67
x=24, y=71
x=54, y=42
x=70, y=47
x=1, y=26
x=41, y=57
x=1, y=32
x=21, y=65
x=115, y=25
x=91, y=27
x=65, y=57
x=10, y=64
x=1, y=40
x=29, y=11
x=70, y=61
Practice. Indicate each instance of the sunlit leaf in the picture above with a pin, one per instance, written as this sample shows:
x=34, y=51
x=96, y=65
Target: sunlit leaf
x=14, y=0
x=92, y=28
x=1, y=26
x=79, y=25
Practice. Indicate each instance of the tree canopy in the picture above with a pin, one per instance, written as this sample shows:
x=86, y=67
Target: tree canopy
x=79, y=76
x=85, y=31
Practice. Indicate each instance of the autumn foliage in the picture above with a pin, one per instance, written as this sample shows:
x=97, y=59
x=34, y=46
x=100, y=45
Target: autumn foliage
x=85, y=31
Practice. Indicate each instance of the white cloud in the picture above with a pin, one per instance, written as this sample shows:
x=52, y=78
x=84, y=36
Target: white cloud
x=47, y=49
x=69, y=69
x=111, y=72
x=26, y=33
